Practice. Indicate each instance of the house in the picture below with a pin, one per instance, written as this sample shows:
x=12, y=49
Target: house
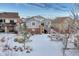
x=61, y=24
x=9, y=21
x=34, y=24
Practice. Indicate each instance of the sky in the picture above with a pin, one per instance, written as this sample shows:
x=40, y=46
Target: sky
x=49, y=10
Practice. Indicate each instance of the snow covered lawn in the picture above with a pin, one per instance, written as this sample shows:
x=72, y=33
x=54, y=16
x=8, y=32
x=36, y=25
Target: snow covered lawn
x=41, y=46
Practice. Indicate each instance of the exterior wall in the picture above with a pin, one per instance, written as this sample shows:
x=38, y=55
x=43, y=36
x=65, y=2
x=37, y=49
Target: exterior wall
x=41, y=29
x=33, y=30
x=30, y=25
x=58, y=26
x=62, y=26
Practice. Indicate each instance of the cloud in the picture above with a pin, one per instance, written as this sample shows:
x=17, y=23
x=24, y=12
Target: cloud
x=54, y=6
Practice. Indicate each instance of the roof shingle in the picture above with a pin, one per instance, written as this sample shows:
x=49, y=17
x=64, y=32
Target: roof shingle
x=9, y=15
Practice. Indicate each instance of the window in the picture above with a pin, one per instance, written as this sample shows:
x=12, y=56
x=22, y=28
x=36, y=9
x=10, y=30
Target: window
x=33, y=23
x=11, y=21
x=1, y=20
x=42, y=24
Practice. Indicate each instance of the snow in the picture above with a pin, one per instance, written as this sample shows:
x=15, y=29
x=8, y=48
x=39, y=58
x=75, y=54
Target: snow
x=41, y=46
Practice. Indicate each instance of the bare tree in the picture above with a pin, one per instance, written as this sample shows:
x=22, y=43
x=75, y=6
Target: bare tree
x=74, y=11
x=24, y=32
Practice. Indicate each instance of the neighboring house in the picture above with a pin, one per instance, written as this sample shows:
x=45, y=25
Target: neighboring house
x=62, y=24
x=9, y=21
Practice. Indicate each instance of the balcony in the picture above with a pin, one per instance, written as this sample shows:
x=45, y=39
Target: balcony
x=10, y=24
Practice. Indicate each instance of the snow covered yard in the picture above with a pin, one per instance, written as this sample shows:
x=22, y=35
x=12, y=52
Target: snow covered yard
x=41, y=46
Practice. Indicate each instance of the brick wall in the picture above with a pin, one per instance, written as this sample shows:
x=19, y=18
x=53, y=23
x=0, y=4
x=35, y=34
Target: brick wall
x=33, y=30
